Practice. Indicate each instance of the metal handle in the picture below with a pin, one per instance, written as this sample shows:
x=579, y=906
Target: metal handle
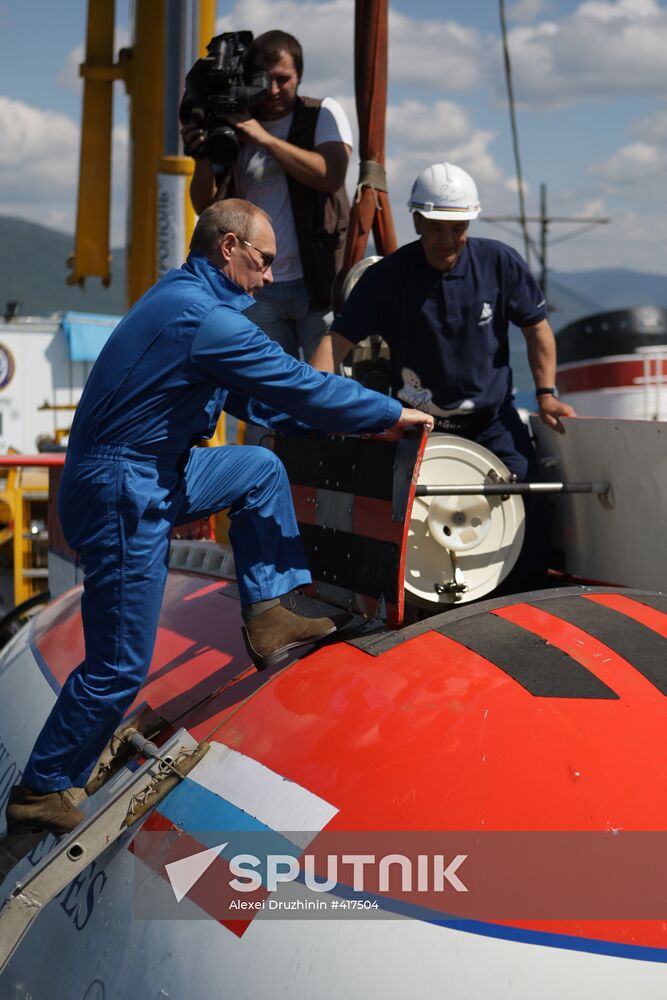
x=507, y=489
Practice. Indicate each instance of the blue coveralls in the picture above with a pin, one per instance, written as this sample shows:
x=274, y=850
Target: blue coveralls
x=182, y=354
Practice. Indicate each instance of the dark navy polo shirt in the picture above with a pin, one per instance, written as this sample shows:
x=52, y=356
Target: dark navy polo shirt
x=448, y=332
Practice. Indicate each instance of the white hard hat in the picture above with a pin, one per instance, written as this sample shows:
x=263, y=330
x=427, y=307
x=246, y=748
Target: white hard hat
x=444, y=191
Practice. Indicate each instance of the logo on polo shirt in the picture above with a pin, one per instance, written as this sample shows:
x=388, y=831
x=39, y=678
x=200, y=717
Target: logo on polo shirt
x=486, y=315
x=419, y=396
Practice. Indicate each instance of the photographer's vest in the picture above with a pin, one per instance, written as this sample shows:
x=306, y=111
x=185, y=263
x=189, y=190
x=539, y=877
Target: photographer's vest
x=320, y=219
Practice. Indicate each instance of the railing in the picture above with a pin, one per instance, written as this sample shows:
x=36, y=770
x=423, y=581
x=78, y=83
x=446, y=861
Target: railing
x=653, y=380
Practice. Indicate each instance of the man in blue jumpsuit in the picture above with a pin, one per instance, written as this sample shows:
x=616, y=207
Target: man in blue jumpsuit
x=444, y=304
x=183, y=353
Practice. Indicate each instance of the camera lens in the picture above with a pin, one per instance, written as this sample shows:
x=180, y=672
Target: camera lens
x=222, y=146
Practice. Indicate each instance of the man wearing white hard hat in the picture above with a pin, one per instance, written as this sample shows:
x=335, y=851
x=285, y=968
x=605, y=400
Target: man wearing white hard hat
x=444, y=304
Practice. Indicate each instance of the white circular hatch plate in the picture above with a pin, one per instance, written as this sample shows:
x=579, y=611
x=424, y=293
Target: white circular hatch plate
x=472, y=540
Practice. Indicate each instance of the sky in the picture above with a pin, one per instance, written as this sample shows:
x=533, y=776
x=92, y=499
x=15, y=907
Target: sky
x=590, y=83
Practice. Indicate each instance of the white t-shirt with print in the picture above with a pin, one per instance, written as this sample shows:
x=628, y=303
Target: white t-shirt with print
x=261, y=179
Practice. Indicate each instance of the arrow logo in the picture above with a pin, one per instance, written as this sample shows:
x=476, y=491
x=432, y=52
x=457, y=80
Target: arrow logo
x=184, y=873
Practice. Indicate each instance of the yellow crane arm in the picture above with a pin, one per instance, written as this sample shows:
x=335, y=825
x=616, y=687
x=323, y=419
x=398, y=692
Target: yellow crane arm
x=91, y=254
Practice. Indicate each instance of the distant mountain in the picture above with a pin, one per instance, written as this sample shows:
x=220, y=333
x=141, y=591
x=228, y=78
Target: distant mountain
x=573, y=295
x=607, y=289
x=33, y=271
x=566, y=303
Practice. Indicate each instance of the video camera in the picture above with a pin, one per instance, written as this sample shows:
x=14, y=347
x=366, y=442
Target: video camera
x=221, y=84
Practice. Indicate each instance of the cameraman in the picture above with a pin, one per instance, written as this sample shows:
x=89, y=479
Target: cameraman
x=293, y=160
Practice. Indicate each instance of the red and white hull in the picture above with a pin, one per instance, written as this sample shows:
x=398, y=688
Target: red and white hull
x=615, y=364
x=438, y=728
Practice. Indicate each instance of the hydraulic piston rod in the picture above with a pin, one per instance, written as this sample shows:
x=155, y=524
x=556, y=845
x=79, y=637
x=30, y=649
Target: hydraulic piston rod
x=506, y=489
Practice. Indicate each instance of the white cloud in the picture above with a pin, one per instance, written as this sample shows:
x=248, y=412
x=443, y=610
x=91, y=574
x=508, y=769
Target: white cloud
x=526, y=10
x=440, y=55
x=39, y=167
x=601, y=49
x=594, y=207
x=435, y=125
x=69, y=76
x=120, y=143
x=653, y=128
x=325, y=31
x=419, y=134
x=39, y=152
x=417, y=48
x=604, y=48
x=624, y=242
x=636, y=169
x=635, y=163
x=512, y=184
x=618, y=10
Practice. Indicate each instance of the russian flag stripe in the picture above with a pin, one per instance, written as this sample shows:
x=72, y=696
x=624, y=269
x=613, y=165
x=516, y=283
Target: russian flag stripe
x=273, y=801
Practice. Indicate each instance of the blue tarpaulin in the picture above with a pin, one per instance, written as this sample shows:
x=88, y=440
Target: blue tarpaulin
x=87, y=333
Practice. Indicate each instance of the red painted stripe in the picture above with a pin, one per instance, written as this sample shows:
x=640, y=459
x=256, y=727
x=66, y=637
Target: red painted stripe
x=304, y=499
x=204, y=634
x=46, y=460
x=650, y=617
x=203, y=529
x=211, y=588
x=395, y=620
x=374, y=519
x=603, y=375
x=156, y=823
x=200, y=894
x=587, y=650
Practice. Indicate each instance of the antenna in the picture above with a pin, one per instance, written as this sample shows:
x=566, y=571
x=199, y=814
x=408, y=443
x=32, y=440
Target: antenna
x=522, y=219
x=545, y=220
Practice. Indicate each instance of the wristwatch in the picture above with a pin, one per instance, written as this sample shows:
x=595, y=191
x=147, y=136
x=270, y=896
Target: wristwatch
x=549, y=390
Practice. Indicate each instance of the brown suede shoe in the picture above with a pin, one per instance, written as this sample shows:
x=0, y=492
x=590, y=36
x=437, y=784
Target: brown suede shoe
x=271, y=637
x=41, y=812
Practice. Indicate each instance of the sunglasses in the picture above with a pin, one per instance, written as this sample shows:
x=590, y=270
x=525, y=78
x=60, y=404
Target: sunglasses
x=267, y=258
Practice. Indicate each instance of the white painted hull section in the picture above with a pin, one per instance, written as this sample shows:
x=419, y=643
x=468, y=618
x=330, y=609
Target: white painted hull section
x=26, y=698
x=197, y=959
x=627, y=403
x=88, y=945
x=625, y=545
